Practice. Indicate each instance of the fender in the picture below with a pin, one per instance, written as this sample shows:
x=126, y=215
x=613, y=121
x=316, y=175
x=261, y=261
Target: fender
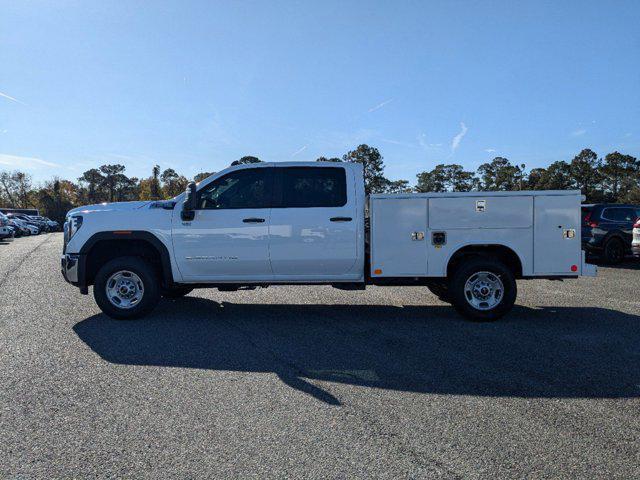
x=483, y=244
x=165, y=259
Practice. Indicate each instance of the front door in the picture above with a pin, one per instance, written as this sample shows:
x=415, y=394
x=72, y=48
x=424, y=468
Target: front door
x=314, y=224
x=228, y=240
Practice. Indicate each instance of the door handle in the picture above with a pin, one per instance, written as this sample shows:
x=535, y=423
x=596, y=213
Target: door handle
x=340, y=219
x=253, y=220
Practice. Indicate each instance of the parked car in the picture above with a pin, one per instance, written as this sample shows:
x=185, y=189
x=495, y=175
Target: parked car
x=304, y=223
x=53, y=225
x=635, y=243
x=18, y=230
x=34, y=227
x=607, y=230
x=40, y=222
x=6, y=232
x=29, y=227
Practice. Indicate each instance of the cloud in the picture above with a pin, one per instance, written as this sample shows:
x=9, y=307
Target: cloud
x=15, y=161
x=490, y=150
x=455, y=141
x=9, y=97
x=397, y=142
x=300, y=150
x=422, y=141
x=579, y=132
x=380, y=105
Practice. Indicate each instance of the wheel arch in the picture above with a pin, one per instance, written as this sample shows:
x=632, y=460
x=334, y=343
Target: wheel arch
x=105, y=246
x=504, y=253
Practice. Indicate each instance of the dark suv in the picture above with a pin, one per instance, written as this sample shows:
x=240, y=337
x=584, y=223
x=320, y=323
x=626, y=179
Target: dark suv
x=607, y=230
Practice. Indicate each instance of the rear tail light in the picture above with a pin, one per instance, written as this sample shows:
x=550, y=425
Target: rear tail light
x=587, y=221
x=637, y=224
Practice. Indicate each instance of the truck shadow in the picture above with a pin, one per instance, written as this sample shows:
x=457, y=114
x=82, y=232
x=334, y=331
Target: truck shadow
x=535, y=353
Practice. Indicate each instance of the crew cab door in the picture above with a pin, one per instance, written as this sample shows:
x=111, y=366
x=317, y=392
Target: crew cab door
x=228, y=239
x=314, y=224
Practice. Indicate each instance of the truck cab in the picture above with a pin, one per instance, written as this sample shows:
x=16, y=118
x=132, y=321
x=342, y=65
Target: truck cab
x=265, y=224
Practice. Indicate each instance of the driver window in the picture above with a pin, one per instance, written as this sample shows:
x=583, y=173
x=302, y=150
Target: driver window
x=241, y=189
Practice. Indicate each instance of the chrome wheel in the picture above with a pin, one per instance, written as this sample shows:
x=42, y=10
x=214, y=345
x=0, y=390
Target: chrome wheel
x=483, y=290
x=124, y=289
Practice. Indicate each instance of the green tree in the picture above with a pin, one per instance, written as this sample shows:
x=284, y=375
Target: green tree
x=619, y=175
x=371, y=161
x=585, y=174
x=91, y=182
x=325, y=159
x=154, y=183
x=173, y=184
x=201, y=176
x=397, y=186
x=246, y=159
x=432, y=181
x=445, y=178
x=112, y=178
x=500, y=174
x=56, y=198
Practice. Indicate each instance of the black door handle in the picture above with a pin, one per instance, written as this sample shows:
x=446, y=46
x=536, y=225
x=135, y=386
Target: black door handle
x=253, y=220
x=340, y=219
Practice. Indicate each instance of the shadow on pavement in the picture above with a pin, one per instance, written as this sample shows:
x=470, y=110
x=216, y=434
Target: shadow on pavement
x=540, y=353
x=630, y=263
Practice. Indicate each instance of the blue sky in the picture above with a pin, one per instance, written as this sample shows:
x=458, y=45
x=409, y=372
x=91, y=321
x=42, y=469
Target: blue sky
x=196, y=84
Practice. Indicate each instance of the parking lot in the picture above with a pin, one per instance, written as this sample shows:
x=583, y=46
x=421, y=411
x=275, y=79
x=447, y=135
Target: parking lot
x=316, y=382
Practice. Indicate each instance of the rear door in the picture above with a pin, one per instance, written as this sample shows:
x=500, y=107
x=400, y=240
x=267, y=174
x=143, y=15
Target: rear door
x=620, y=219
x=313, y=230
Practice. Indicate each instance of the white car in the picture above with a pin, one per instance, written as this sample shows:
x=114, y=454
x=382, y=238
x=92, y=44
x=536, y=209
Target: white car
x=304, y=223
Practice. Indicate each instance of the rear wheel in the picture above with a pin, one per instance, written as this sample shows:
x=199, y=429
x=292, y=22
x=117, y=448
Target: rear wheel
x=126, y=288
x=613, y=251
x=483, y=289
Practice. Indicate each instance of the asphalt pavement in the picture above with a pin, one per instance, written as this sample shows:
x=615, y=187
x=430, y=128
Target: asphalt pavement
x=313, y=382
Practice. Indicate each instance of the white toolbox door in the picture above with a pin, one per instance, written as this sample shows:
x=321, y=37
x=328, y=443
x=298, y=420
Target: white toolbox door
x=556, y=240
x=399, y=237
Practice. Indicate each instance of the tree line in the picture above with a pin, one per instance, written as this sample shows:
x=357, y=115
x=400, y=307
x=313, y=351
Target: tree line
x=614, y=178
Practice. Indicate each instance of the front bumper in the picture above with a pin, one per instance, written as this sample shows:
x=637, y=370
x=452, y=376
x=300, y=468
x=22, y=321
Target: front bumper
x=70, y=266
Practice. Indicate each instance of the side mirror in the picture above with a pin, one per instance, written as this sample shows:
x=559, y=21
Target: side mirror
x=189, y=205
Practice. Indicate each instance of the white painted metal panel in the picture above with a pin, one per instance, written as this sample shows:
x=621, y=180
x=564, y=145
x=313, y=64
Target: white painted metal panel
x=555, y=250
x=393, y=250
x=482, y=211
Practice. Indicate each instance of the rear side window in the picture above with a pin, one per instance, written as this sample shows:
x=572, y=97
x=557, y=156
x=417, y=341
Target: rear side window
x=306, y=187
x=619, y=214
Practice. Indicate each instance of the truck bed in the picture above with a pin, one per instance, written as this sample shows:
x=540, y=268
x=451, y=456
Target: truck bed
x=415, y=235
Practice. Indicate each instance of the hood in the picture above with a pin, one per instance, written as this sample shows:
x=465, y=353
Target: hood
x=110, y=207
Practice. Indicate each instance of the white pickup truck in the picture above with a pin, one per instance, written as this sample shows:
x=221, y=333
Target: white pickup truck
x=311, y=223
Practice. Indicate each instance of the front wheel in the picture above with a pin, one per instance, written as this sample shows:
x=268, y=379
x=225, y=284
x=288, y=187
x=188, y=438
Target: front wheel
x=126, y=288
x=483, y=289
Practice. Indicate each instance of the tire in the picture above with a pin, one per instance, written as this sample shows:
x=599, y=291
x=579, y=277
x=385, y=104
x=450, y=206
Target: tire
x=147, y=278
x=440, y=290
x=176, y=292
x=491, y=277
x=613, y=252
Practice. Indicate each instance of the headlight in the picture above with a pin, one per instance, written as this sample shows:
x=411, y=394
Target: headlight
x=73, y=225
